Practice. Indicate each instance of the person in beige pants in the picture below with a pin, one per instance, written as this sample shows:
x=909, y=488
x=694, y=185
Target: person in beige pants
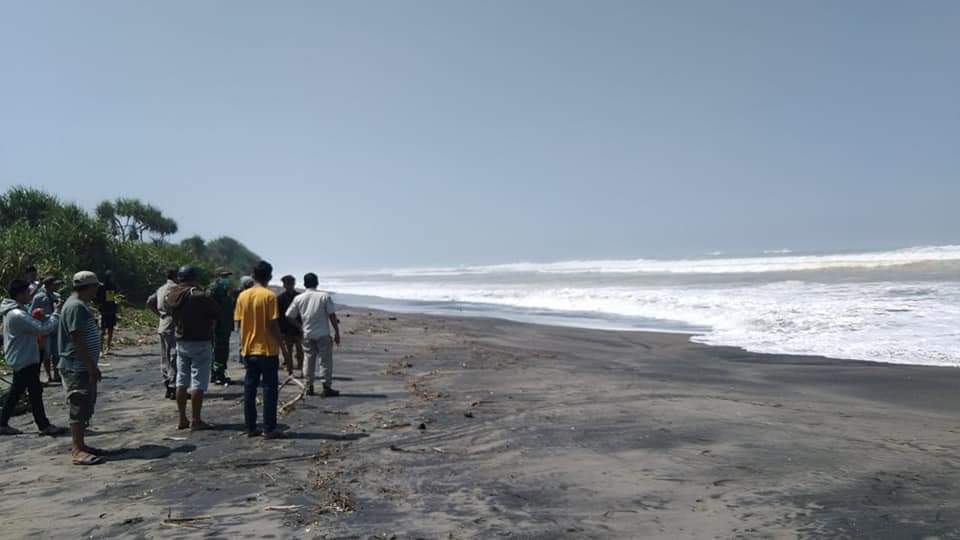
x=314, y=313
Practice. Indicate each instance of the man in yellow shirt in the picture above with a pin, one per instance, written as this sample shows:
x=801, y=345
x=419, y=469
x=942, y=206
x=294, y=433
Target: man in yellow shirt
x=256, y=313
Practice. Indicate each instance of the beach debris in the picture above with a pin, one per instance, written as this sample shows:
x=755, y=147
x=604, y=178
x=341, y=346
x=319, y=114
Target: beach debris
x=468, y=414
x=288, y=406
x=436, y=449
x=396, y=425
x=189, y=519
x=185, y=522
x=287, y=508
x=422, y=426
x=391, y=318
x=263, y=462
x=175, y=439
x=339, y=503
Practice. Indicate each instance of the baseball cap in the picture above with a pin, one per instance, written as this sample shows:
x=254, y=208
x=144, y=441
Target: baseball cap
x=223, y=272
x=51, y=280
x=84, y=278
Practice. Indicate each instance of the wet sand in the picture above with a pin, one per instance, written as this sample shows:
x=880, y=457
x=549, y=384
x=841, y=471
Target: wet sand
x=481, y=428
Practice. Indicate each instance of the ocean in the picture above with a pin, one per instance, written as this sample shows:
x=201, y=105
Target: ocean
x=900, y=306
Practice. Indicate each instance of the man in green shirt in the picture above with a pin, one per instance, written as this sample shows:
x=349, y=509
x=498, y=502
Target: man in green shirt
x=79, y=340
x=223, y=294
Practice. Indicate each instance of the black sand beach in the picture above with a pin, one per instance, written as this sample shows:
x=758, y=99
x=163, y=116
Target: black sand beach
x=482, y=428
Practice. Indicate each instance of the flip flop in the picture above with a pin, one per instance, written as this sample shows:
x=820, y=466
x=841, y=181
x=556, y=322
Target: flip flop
x=96, y=451
x=90, y=459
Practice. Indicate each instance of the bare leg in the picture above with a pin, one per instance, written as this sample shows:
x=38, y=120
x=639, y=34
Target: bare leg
x=196, y=404
x=182, y=407
x=47, y=365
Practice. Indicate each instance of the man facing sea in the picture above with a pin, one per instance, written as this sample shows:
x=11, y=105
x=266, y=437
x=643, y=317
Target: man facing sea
x=256, y=313
x=292, y=343
x=317, y=312
x=194, y=315
x=223, y=294
x=166, y=331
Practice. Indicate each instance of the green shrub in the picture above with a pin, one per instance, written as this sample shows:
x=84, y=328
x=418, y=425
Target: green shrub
x=60, y=239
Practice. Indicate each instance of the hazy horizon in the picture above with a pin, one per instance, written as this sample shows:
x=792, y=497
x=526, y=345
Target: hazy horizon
x=372, y=135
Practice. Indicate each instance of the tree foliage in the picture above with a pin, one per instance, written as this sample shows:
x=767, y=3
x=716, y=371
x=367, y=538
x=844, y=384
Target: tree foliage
x=128, y=219
x=61, y=239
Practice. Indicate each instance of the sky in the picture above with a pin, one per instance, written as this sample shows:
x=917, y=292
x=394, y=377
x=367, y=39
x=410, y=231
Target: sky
x=361, y=135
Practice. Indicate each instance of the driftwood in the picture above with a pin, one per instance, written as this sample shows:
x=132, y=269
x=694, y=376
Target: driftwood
x=288, y=406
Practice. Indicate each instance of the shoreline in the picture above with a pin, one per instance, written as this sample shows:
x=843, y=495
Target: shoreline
x=688, y=334
x=453, y=427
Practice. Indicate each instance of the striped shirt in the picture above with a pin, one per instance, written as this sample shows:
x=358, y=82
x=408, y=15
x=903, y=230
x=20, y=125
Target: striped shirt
x=77, y=317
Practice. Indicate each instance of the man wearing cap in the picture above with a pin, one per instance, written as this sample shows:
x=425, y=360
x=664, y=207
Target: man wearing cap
x=194, y=316
x=79, y=341
x=222, y=293
x=46, y=300
x=168, y=338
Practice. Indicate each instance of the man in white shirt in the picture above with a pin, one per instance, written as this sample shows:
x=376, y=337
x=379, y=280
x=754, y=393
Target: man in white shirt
x=314, y=313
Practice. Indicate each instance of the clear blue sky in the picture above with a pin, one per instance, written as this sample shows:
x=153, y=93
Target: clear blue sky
x=365, y=134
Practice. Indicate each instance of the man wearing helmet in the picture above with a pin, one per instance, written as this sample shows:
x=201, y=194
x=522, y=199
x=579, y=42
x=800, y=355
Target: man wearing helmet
x=194, y=316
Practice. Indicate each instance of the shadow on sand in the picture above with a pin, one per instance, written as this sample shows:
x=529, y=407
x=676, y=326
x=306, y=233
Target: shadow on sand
x=147, y=451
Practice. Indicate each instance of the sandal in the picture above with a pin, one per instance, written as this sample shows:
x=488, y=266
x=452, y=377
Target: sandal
x=87, y=460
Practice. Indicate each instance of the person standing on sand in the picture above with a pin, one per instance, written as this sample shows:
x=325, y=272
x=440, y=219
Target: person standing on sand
x=194, y=317
x=107, y=304
x=223, y=294
x=168, y=338
x=46, y=299
x=256, y=313
x=20, y=349
x=292, y=343
x=79, y=341
x=317, y=312
x=245, y=283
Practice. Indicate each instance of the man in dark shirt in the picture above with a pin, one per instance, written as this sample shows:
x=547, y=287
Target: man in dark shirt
x=194, y=316
x=292, y=342
x=107, y=304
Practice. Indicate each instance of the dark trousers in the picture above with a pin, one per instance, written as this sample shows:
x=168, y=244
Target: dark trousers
x=26, y=380
x=221, y=352
x=261, y=368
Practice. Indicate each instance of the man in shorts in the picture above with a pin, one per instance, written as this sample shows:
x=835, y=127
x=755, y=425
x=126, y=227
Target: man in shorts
x=194, y=316
x=79, y=341
x=317, y=312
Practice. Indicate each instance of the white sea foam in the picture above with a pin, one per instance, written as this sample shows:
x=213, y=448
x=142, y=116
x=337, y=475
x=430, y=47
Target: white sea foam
x=900, y=316
x=779, y=262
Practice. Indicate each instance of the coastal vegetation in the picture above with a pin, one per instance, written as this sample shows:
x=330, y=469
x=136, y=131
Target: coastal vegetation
x=127, y=236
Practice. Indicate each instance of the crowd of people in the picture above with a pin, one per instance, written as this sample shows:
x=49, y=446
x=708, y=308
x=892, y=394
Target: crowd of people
x=68, y=337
